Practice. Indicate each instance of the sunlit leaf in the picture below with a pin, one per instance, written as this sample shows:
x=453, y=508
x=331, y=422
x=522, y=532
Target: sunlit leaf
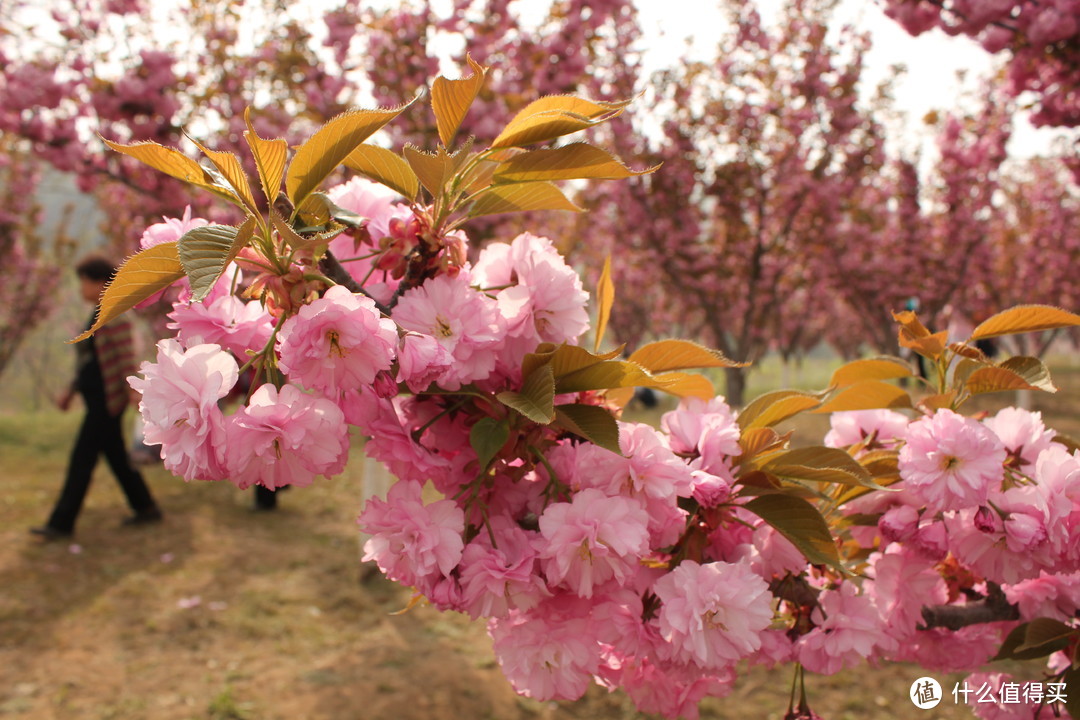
x=775, y=407
x=603, y=375
x=605, y=293
x=175, y=164
x=1023, y=319
x=229, y=166
x=999, y=379
x=867, y=395
x=683, y=385
x=819, y=464
x=386, y=167
x=754, y=441
x=270, y=157
x=879, y=368
x=330, y=145
x=1032, y=369
x=522, y=197
x=567, y=359
x=568, y=162
x=206, y=251
x=536, y=400
x=141, y=276
x=487, y=437
x=665, y=355
x=938, y=401
x=593, y=423
x=432, y=169
x=451, y=99
x=801, y=523
x=553, y=116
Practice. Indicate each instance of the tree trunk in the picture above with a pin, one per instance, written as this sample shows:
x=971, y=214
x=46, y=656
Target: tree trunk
x=736, y=386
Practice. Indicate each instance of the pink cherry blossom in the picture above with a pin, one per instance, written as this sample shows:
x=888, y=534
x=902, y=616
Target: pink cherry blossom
x=951, y=462
x=337, y=342
x=179, y=406
x=504, y=576
x=226, y=321
x=849, y=629
x=1048, y=595
x=413, y=542
x=1023, y=434
x=421, y=361
x=284, y=438
x=465, y=322
x=171, y=230
x=713, y=614
x=592, y=539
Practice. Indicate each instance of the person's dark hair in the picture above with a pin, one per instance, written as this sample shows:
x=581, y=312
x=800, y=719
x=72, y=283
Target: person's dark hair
x=95, y=267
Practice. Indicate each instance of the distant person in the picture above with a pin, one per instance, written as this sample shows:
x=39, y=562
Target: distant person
x=103, y=363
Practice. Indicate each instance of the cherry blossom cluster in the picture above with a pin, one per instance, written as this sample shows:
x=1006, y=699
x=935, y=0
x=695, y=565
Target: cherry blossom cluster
x=650, y=569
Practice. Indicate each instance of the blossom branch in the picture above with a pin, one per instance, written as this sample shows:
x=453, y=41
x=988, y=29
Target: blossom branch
x=333, y=269
x=995, y=607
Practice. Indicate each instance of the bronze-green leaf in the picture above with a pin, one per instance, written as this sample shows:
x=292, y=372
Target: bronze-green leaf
x=604, y=375
x=1001, y=379
x=554, y=116
x=1023, y=319
x=521, y=197
x=591, y=422
x=487, y=438
x=432, y=169
x=605, y=293
x=451, y=99
x=386, y=167
x=330, y=145
x=802, y=524
x=819, y=464
x=536, y=400
x=270, y=157
x=775, y=407
x=568, y=162
x=175, y=164
x=141, y=276
x=665, y=355
x=867, y=395
x=879, y=368
x=229, y=166
x=206, y=251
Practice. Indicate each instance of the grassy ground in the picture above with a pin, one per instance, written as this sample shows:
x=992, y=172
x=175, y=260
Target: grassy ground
x=225, y=614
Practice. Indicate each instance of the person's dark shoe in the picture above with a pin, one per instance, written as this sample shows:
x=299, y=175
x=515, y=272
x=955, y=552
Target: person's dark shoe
x=144, y=517
x=49, y=533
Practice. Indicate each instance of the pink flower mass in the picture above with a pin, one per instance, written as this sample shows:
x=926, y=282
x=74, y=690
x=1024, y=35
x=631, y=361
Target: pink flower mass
x=951, y=462
x=336, y=343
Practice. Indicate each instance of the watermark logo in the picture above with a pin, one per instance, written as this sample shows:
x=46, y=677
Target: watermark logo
x=925, y=693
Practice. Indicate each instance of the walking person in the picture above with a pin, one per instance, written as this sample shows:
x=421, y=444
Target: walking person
x=103, y=363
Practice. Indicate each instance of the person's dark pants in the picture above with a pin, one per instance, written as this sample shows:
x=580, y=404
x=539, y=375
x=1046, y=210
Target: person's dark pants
x=100, y=434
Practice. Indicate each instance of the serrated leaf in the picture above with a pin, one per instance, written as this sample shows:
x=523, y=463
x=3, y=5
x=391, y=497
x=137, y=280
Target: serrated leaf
x=330, y=145
x=294, y=239
x=536, y=400
x=142, y=275
x=175, y=164
x=1032, y=369
x=432, y=169
x=1023, y=319
x=593, y=423
x=995, y=379
x=969, y=352
x=451, y=99
x=819, y=464
x=754, y=441
x=385, y=167
x=314, y=211
x=605, y=375
x=665, y=355
x=605, y=294
x=879, y=368
x=683, y=385
x=567, y=359
x=938, y=401
x=553, y=116
x=521, y=198
x=568, y=162
x=801, y=523
x=542, y=127
x=229, y=166
x=487, y=437
x=775, y=407
x=1035, y=639
x=867, y=395
x=270, y=157
x=206, y=251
